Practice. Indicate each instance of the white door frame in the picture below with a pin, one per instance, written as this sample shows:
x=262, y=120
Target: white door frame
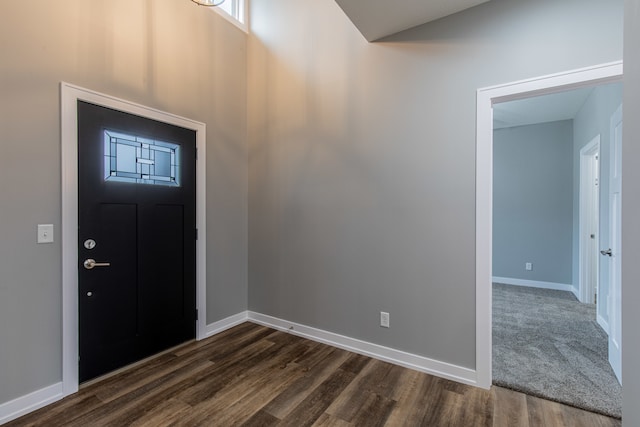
x=615, y=266
x=486, y=97
x=69, y=97
x=588, y=247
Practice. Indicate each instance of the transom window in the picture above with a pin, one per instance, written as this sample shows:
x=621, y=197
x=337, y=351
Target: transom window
x=234, y=11
x=139, y=160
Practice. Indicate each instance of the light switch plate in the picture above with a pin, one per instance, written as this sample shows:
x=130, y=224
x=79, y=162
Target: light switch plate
x=45, y=233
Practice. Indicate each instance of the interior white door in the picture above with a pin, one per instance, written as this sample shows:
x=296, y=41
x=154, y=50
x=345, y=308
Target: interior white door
x=615, y=199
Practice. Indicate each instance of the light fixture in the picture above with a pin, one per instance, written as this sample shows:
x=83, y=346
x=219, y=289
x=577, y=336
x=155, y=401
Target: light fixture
x=208, y=2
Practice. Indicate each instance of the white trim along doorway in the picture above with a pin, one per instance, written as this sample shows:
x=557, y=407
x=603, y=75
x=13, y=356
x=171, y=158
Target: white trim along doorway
x=589, y=232
x=486, y=98
x=69, y=97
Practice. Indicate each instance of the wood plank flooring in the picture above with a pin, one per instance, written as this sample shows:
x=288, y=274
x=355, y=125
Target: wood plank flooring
x=254, y=376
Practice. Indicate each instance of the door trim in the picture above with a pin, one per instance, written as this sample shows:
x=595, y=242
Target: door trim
x=486, y=97
x=614, y=298
x=588, y=216
x=69, y=96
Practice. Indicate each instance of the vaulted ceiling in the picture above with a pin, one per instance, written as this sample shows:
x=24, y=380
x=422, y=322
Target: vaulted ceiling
x=377, y=19
x=380, y=18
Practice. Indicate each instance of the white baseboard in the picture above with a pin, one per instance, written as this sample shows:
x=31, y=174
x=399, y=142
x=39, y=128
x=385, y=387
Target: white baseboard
x=603, y=323
x=224, y=324
x=536, y=284
x=30, y=402
x=397, y=357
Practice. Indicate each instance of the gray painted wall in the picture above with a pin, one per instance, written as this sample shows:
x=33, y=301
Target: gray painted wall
x=532, y=201
x=334, y=122
x=594, y=119
x=362, y=159
x=630, y=215
x=170, y=55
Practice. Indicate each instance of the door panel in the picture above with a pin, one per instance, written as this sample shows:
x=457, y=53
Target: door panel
x=136, y=195
x=112, y=289
x=163, y=269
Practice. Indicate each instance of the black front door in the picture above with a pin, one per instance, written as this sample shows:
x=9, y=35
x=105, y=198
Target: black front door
x=136, y=248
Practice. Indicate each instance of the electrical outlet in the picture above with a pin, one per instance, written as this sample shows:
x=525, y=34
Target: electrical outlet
x=384, y=319
x=528, y=266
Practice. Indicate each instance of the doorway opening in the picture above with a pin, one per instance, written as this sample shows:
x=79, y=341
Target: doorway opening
x=486, y=98
x=540, y=243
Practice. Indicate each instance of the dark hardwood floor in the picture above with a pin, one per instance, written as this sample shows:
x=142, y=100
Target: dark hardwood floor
x=251, y=375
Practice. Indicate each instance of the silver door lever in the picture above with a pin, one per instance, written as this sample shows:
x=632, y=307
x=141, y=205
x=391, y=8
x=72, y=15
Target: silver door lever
x=91, y=263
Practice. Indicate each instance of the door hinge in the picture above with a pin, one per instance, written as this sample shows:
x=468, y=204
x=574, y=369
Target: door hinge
x=196, y=153
x=196, y=234
x=196, y=314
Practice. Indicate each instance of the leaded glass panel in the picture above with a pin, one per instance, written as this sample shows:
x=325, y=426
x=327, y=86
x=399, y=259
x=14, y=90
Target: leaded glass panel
x=139, y=160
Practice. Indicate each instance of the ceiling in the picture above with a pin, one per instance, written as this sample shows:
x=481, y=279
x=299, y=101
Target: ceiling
x=540, y=109
x=380, y=18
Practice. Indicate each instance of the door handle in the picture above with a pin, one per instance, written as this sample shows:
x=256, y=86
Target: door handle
x=607, y=252
x=91, y=263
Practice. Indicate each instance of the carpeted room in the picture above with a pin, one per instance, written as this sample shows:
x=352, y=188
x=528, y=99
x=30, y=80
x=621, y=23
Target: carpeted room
x=550, y=329
x=547, y=344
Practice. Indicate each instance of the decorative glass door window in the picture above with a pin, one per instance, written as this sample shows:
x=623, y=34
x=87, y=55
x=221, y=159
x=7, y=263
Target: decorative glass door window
x=135, y=159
